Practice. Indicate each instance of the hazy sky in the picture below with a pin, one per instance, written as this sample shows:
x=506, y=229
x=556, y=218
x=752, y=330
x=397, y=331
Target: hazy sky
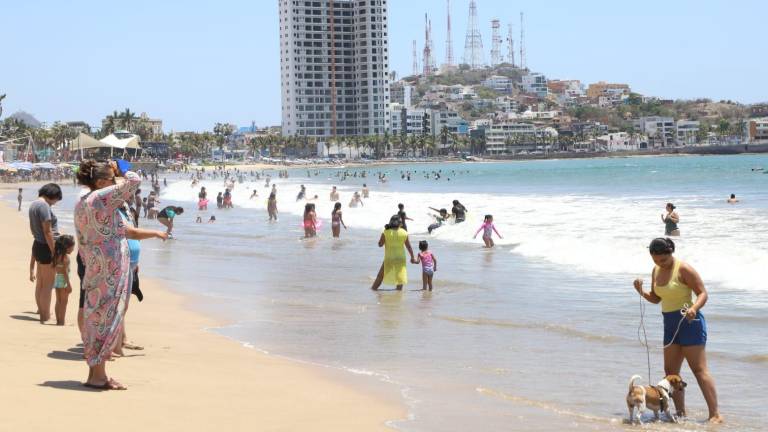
x=194, y=63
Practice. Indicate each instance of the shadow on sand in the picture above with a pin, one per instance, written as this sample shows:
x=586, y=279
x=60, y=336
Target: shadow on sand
x=24, y=318
x=69, y=385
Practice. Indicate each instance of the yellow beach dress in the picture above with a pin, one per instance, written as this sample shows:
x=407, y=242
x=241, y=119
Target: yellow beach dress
x=395, y=272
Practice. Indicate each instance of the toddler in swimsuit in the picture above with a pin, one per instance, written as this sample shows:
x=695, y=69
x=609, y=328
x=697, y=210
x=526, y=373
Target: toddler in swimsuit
x=488, y=228
x=428, y=264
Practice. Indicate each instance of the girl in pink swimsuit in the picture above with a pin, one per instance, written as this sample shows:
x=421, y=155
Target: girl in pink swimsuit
x=488, y=228
x=428, y=265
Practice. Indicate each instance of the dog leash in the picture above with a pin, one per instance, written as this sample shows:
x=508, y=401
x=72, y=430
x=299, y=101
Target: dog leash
x=683, y=312
x=644, y=341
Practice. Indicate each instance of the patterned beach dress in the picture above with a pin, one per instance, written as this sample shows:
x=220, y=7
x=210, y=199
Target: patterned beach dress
x=104, y=248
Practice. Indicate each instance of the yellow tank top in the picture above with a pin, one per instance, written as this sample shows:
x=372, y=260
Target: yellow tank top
x=675, y=294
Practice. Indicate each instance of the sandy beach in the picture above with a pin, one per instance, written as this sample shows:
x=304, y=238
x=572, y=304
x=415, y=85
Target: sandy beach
x=185, y=378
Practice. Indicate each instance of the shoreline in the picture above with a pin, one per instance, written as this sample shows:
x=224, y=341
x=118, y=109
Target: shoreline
x=188, y=377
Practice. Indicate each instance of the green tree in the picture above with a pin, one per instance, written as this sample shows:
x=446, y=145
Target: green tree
x=128, y=118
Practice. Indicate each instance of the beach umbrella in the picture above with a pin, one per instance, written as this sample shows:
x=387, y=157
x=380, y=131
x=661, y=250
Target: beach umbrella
x=22, y=166
x=44, y=165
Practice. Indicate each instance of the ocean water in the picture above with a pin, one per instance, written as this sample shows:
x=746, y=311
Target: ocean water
x=540, y=333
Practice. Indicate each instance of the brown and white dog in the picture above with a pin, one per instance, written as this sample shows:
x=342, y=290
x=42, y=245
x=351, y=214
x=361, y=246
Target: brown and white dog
x=656, y=398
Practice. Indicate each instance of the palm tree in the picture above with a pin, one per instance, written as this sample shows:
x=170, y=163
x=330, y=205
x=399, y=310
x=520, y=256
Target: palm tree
x=445, y=135
x=127, y=117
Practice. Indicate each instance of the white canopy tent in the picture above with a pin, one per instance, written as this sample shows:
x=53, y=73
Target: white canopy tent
x=120, y=141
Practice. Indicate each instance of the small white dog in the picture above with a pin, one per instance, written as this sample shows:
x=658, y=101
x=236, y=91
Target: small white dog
x=656, y=398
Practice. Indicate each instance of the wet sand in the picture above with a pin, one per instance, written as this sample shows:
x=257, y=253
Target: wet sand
x=185, y=379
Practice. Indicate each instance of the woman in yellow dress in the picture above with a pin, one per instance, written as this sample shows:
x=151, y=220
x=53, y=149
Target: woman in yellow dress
x=393, y=269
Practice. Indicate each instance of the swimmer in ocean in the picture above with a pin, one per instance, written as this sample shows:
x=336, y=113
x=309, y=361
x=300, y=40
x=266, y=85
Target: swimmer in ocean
x=732, y=199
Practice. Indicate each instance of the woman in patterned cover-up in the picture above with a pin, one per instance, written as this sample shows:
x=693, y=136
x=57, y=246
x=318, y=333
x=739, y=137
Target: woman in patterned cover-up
x=101, y=233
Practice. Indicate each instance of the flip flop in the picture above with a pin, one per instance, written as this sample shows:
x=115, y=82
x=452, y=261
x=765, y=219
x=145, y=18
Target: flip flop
x=131, y=346
x=109, y=385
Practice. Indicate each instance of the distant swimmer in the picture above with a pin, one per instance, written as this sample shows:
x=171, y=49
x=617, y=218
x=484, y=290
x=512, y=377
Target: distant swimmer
x=302, y=193
x=670, y=221
x=365, y=191
x=428, y=265
x=459, y=212
x=356, y=200
x=272, y=207
x=227, y=198
x=403, y=217
x=488, y=228
x=202, y=199
x=336, y=220
x=310, y=221
x=732, y=199
x=255, y=194
x=212, y=219
x=334, y=194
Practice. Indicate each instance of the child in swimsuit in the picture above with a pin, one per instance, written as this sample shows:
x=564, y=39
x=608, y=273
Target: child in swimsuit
x=488, y=228
x=63, y=246
x=428, y=264
x=336, y=221
x=310, y=221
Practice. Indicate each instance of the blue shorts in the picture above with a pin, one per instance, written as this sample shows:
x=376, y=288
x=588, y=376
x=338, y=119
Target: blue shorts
x=691, y=332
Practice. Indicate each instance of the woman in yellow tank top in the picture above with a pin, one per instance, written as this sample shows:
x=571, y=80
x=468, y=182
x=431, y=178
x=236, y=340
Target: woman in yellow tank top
x=393, y=270
x=673, y=283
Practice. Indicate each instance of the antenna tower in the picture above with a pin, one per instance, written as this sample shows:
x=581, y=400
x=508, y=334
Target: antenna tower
x=428, y=60
x=495, y=42
x=449, y=39
x=415, y=59
x=473, y=44
x=511, y=47
x=522, y=42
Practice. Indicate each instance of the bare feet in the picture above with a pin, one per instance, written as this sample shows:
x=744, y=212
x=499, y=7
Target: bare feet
x=716, y=419
x=131, y=346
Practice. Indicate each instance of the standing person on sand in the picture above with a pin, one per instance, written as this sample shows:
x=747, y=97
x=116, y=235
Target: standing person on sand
x=65, y=245
x=673, y=283
x=336, y=220
x=393, y=270
x=101, y=233
x=670, y=221
x=45, y=228
x=20, y=198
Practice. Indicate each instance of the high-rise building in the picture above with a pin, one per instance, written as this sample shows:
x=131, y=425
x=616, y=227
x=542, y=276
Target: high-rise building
x=334, y=67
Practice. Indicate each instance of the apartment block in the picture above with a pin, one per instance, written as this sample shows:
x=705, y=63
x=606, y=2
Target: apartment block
x=661, y=131
x=334, y=67
x=686, y=132
x=535, y=83
x=757, y=129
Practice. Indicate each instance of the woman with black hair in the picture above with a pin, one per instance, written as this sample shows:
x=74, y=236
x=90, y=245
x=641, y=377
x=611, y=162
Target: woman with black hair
x=670, y=221
x=166, y=215
x=673, y=283
x=393, y=270
x=44, y=226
